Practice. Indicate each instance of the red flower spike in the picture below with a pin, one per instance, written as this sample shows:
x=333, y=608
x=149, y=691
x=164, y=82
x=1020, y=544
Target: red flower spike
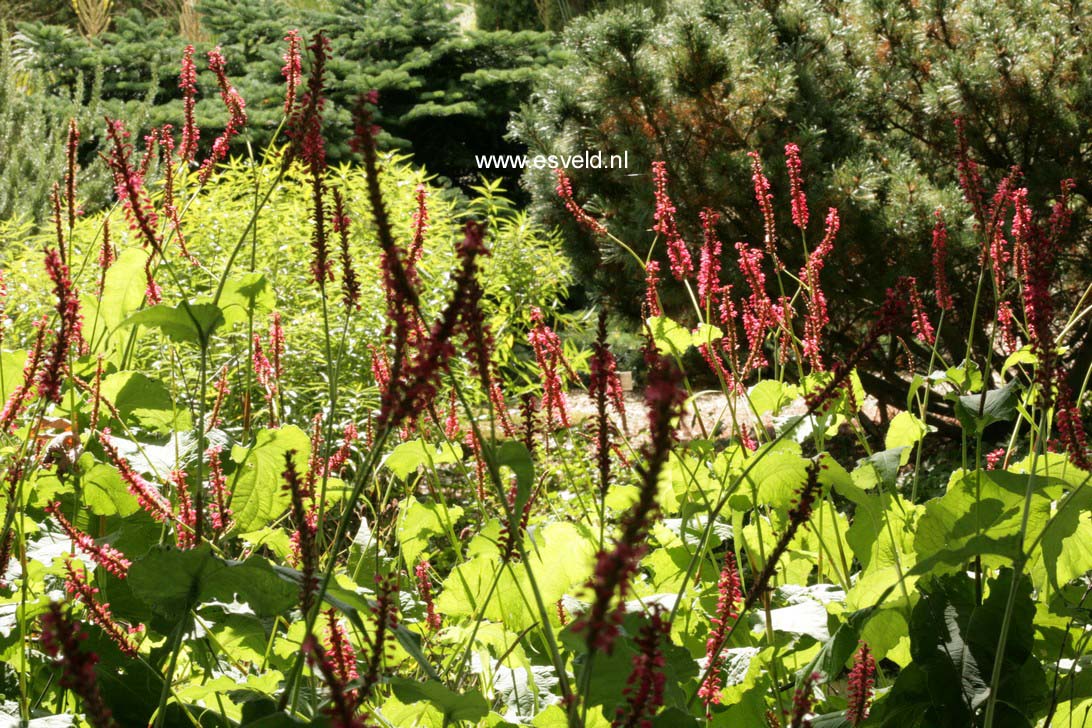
x=339, y=651
x=76, y=586
x=678, y=254
x=565, y=192
x=709, y=267
x=129, y=186
x=644, y=691
x=147, y=495
x=817, y=317
x=424, y=588
x=803, y=701
x=652, y=297
x=187, y=82
x=385, y=612
x=4, y=320
x=337, y=461
x=265, y=374
x=69, y=336
x=729, y=595
x=995, y=458
x=796, y=186
x=305, y=125
x=350, y=284
x=420, y=227
x=71, y=150
x=919, y=321
x=20, y=397
x=764, y=198
x=970, y=179
x=940, y=263
x=553, y=365
x=107, y=557
x=862, y=678
x=62, y=640
x=186, y=531
x=343, y=702
x=220, y=514
x=292, y=70
x=107, y=254
x=758, y=310
x=304, y=537
x=236, y=108
x=1071, y=428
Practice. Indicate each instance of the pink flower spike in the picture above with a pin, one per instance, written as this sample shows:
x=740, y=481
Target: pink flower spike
x=796, y=186
x=862, y=678
x=147, y=495
x=236, y=108
x=764, y=198
x=62, y=639
x=107, y=557
x=187, y=82
x=940, y=262
x=424, y=588
x=76, y=585
x=709, y=268
x=679, y=256
x=565, y=192
x=292, y=70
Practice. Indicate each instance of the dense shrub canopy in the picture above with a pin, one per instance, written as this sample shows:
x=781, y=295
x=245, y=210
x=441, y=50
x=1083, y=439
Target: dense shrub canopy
x=447, y=92
x=869, y=90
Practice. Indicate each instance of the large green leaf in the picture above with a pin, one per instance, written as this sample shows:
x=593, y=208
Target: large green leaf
x=420, y=522
x=778, y=474
x=408, y=456
x=171, y=581
x=770, y=395
x=977, y=411
x=185, y=325
x=456, y=707
x=144, y=402
x=245, y=292
x=258, y=495
x=954, y=642
x=122, y=293
x=105, y=493
x=905, y=431
x=670, y=338
x=981, y=514
x=11, y=372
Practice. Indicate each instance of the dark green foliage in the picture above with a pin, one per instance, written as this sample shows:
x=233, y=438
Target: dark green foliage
x=29, y=111
x=508, y=15
x=444, y=93
x=869, y=90
x=954, y=643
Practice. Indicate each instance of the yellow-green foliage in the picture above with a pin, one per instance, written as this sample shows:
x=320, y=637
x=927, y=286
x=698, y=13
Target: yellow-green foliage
x=525, y=268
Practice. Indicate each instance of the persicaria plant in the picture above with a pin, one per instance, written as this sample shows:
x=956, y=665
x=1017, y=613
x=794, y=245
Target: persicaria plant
x=443, y=513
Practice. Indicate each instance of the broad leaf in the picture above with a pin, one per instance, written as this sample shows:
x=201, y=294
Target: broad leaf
x=244, y=292
x=455, y=707
x=407, y=457
x=144, y=402
x=954, y=642
x=258, y=495
x=670, y=338
x=977, y=411
x=185, y=325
